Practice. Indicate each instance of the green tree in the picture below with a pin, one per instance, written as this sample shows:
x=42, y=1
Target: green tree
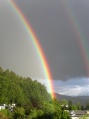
x=70, y=104
x=78, y=105
x=1, y=71
x=64, y=104
x=65, y=115
x=73, y=107
x=19, y=113
x=6, y=113
x=87, y=106
x=82, y=107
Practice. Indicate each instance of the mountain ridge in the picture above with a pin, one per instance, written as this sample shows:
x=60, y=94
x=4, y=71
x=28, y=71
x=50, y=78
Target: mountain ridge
x=75, y=99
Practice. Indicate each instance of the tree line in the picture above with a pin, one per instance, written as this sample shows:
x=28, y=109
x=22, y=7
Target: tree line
x=31, y=98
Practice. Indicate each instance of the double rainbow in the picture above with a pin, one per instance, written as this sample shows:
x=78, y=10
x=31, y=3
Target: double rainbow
x=81, y=38
x=79, y=34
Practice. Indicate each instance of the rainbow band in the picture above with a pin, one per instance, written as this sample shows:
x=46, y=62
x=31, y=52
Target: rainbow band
x=36, y=44
x=80, y=36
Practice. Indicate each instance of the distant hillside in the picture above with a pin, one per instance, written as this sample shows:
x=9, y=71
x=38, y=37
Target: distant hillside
x=81, y=99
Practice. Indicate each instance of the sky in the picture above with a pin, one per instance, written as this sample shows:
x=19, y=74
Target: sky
x=62, y=28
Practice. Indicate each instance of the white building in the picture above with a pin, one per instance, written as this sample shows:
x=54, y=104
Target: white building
x=76, y=114
x=3, y=106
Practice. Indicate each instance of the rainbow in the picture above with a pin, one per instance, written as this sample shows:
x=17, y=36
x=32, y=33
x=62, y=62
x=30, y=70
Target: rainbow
x=81, y=39
x=36, y=44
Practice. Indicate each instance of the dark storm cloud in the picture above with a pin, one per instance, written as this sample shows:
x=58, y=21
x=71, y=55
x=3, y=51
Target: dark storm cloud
x=55, y=31
x=17, y=51
x=51, y=22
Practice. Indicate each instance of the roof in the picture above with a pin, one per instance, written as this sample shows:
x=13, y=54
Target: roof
x=78, y=113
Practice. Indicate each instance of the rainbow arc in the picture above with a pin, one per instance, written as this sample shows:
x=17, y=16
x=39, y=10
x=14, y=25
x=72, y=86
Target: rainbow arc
x=36, y=43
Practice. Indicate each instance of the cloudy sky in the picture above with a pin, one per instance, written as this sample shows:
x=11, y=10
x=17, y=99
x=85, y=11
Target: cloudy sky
x=72, y=87
x=62, y=28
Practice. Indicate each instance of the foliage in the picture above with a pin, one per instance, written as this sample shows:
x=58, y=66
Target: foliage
x=6, y=113
x=70, y=104
x=74, y=107
x=31, y=98
x=78, y=106
x=85, y=116
x=22, y=91
x=87, y=106
x=19, y=113
x=65, y=115
x=82, y=107
x=2, y=116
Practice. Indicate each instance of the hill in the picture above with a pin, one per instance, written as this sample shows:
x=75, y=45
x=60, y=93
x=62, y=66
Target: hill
x=81, y=99
x=31, y=98
x=20, y=90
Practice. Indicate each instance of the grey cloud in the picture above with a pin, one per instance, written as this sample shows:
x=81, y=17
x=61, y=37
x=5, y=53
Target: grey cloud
x=55, y=31
x=17, y=51
x=71, y=87
x=52, y=23
x=74, y=90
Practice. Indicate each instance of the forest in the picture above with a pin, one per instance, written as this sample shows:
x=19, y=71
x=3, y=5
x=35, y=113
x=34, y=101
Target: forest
x=31, y=98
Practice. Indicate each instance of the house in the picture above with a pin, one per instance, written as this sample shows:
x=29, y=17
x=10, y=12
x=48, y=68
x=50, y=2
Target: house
x=3, y=106
x=76, y=114
x=10, y=107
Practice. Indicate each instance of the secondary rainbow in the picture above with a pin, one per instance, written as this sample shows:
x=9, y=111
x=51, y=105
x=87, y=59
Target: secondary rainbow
x=81, y=38
x=36, y=44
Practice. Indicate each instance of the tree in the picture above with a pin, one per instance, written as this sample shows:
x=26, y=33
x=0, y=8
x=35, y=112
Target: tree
x=65, y=115
x=31, y=98
x=70, y=105
x=1, y=71
x=78, y=105
x=6, y=113
x=19, y=113
x=64, y=102
x=73, y=107
x=87, y=106
x=82, y=107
